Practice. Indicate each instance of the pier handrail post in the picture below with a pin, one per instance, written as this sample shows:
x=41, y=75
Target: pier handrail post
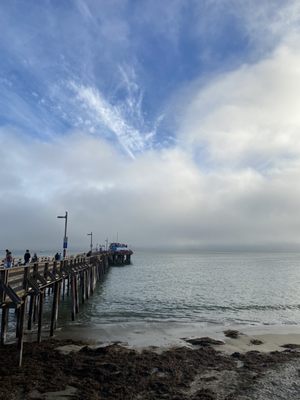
x=54, y=311
x=21, y=316
x=3, y=281
x=4, y=316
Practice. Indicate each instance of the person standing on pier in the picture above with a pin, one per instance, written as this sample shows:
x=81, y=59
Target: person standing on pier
x=27, y=257
x=8, y=259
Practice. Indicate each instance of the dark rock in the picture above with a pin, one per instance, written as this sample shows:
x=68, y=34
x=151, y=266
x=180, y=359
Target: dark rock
x=204, y=341
x=232, y=333
x=291, y=346
x=256, y=342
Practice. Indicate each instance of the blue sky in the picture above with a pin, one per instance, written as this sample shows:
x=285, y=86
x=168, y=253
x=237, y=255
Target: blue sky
x=137, y=54
x=194, y=101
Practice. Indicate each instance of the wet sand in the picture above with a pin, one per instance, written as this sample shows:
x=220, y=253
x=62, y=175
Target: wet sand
x=160, y=365
x=165, y=335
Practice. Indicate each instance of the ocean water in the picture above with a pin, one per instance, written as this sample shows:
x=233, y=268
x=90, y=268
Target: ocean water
x=208, y=288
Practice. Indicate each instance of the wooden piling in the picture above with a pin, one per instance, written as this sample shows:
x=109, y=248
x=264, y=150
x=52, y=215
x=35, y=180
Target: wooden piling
x=82, y=287
x=30, y=312
x=21, y=332
x=73, y=298
x=54, y=308
x=76, y=295
x=4, y=325
x=35, y=308
x=40, y=316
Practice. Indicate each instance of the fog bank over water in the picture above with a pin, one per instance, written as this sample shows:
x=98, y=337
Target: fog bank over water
x=221, y=249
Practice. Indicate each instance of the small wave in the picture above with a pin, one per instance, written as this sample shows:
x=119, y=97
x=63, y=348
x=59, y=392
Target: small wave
x=254, y=307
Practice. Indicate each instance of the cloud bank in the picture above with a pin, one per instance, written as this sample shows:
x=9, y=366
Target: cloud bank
x=216, y=166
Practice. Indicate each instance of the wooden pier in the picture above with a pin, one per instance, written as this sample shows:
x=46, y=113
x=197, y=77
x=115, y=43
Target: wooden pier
x=24, y=289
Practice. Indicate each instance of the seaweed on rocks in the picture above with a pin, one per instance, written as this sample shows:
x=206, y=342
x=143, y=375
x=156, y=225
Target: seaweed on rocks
x=115, y=372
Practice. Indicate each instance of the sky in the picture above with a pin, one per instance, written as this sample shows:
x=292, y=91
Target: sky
x=170, y=124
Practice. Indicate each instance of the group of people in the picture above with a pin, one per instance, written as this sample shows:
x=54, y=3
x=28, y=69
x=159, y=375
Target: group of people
x=8, y=261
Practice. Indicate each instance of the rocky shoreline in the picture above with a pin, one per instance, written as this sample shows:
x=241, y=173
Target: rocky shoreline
x=64, y=369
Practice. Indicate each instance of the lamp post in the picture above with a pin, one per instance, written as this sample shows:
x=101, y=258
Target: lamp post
x=91, y=245
x=65, y=243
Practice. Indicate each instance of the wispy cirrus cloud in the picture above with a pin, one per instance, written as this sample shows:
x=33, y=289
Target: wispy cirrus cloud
x=117, y=118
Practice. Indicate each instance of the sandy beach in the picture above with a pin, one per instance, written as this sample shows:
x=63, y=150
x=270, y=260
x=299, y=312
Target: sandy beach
x=156, y=361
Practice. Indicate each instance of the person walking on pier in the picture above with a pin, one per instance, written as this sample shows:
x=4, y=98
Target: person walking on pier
x=8, y=259
x=27, y=257
x=34, y=258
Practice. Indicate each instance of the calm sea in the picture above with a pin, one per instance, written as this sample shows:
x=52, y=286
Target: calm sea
x=211, y=288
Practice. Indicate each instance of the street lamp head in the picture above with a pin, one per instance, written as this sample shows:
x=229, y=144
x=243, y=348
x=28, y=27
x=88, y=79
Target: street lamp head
x=63, y=216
